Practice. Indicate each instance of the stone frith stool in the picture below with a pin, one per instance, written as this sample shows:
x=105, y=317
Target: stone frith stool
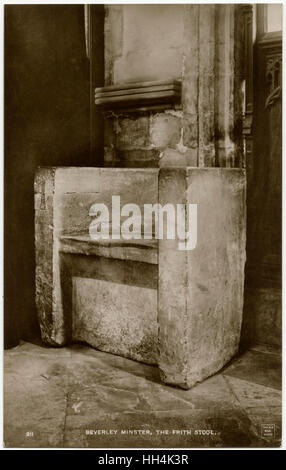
x=143, y=298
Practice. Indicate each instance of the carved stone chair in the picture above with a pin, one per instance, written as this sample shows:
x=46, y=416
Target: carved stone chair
x=143, y=299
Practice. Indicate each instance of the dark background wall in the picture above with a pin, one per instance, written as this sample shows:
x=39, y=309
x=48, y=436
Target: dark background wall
x=263, y=289
x=47, y=122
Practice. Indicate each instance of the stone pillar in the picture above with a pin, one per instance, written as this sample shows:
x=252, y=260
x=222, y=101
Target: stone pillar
x=212, y=79
x=201, y=46
x=143, y=44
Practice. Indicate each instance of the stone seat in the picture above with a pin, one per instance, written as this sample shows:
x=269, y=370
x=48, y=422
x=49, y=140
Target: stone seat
x=145, y=251
x=154, y=301
x=110, y=287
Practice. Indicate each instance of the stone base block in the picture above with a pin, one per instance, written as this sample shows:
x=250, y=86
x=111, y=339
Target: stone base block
x=200, y=291
x=116, y=318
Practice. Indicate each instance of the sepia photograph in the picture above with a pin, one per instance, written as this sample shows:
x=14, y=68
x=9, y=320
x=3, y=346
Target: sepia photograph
x=142, y=197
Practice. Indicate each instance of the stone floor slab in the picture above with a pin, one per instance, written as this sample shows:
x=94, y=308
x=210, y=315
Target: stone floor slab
x=251, y=395
x=263, y=368
x=59, y=395
x=35, y=390
x=198, y=428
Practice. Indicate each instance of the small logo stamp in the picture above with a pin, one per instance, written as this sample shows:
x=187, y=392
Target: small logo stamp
x=268, y=430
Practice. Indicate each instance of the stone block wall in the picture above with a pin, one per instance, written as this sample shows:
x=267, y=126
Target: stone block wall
x=200, y=45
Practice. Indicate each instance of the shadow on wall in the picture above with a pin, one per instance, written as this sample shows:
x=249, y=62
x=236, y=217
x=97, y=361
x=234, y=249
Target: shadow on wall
x=46, y=123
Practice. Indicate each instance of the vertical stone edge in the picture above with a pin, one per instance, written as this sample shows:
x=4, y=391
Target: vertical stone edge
x=216, y=274
x=172, y=285
x=225, y=137
x=196, y=339
x=47, y=259
x=206, y=85
x=190, y=81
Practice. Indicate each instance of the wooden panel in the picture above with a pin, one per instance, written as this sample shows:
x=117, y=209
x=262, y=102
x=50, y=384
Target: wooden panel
x=262, y=312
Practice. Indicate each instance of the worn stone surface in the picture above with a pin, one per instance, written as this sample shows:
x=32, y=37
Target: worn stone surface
x=78, y=188
x=206, y=85
x=165, y=130
x=265, y=304
x=49, y=317
x=112, y=304
x=113, y=285
x=259, y=365
x=207, y=42
x=117, y=318
x=62, y=394
x=143, y=42
x=132, y=132
x=200, y=291
x=137, y=158
x=252, y=395
x=174, y=158
x=35, y=393
x=145, y=251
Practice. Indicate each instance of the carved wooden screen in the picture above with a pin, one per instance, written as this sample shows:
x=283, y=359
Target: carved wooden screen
x=264, y=179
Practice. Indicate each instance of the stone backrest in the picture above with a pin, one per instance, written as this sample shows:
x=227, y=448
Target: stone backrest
x=75, y=190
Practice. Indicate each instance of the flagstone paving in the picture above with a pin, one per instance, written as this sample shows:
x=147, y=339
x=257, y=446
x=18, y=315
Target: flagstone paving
x=78, y=397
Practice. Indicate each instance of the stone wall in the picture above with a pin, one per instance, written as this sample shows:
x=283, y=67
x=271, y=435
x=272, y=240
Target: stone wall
x=143, y=42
